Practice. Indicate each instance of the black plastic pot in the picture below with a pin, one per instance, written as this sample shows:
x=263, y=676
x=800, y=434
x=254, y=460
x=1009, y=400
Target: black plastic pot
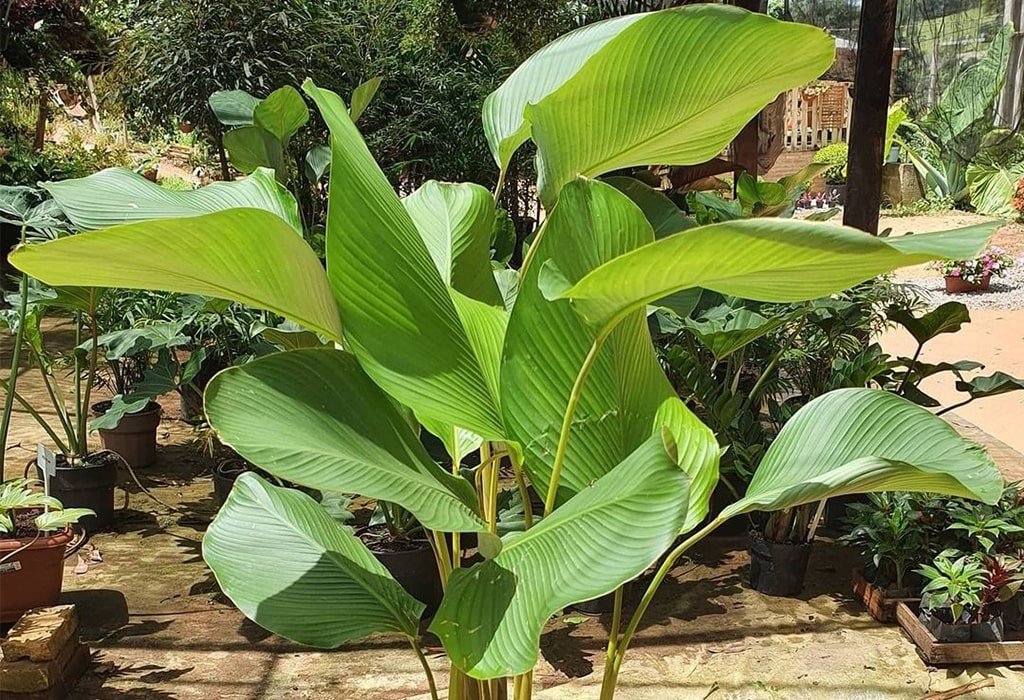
x=416, y=571
x=87, y=486
x=991, y=630
x=224, y=475
x=777, y=568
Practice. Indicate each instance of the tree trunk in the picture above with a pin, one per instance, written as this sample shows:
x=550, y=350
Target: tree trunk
x=41, y=116
x=875, y=39
x=1011, y=100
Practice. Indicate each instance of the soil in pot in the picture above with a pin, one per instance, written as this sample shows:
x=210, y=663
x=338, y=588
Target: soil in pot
x=33, y=577
x=411, y=561
x=777, y=568
x=89, y=485
x=958, y=285
x=134, y=438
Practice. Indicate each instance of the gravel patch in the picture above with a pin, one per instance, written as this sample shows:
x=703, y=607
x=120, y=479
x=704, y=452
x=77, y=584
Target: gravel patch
x=1005, y=292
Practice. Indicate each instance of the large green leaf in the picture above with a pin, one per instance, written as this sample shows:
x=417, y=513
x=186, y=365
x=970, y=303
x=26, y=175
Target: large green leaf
x=246, y=255
x=313, y=417
x=546, y=345
x=670, y=87
x=233, y=107
x=362, y=96
x=992, y=188
x=662, y=213
x=290, y=567
x=282, y=113
x=992, y=385
x=253, y=147
x=781, y=260
x=399, y=316
x=723, y=331
x=858, y=440
x=455, y=221
x=492, y=615
x=945, y=318
x=119, y=196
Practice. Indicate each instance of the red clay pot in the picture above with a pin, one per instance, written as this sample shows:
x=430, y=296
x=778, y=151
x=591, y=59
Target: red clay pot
x=958, y=285
x=33, y=577
x=134, y=438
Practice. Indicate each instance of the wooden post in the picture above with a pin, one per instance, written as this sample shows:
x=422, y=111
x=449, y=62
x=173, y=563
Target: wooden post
x=1011, y=101
x=875, y=40
x=745, y=145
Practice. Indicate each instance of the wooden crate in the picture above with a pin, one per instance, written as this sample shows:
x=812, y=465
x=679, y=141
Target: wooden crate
x=880, y=606
x=935, y=652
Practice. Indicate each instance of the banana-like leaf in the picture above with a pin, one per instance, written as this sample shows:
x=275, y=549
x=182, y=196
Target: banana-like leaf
x=233, y=107
x=860, y=440
x=992, y=187
x=644, y=96
x=291, y=568
x=547, y=342
x=282, y=113
x=455, y=221
x=362, y=96
x=119, y=196
x=492, y=615
x=313, y=417
x=782, y=260
x=246, y=255
x=400, y=319
x=253, y=147
x=946, y=318
x=697, y=453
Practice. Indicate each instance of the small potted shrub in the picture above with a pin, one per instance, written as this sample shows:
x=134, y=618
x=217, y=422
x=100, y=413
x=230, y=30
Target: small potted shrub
x=834, y=155
x=780, y=550
x=960, y=593
x=891, y=534
x=974, y=275
x=34, y=532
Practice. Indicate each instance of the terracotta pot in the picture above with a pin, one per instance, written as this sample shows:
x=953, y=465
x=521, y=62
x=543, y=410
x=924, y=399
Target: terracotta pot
x=185, y=127
x=134, y=438
x=33, y=577
x=957, y=285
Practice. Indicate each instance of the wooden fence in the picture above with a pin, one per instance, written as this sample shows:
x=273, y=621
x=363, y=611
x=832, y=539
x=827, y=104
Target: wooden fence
x=817, y=116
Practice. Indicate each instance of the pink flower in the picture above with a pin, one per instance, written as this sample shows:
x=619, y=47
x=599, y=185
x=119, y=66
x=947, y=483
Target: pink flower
x=955, y=272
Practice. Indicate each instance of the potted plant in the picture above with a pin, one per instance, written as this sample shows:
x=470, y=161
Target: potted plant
x=974, y=275
x=566, y=379
x=890, y=533
x=781, y=549
x=961, y=593
x=399, y=542
x=35, y=529
x=140, y=364
x=835, y=156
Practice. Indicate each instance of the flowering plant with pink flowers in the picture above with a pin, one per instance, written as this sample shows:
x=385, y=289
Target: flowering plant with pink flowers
x=993, y=262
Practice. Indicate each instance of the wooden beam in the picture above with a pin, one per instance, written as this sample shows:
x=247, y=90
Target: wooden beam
x=875, y=40
x=745, y=145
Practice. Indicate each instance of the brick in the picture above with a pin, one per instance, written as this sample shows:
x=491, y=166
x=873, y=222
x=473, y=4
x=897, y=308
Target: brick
x=40, y=634
x=63, y=683
x=26, y=676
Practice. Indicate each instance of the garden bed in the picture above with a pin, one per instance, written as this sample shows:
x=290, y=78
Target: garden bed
x=879, y=605
x=935, y=652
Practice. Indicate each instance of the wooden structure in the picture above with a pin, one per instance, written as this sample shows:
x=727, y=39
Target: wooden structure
x=935, y=652
x=817, y=115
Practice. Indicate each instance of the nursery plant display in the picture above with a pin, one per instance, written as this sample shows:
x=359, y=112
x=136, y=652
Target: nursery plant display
x=34, y=531
x=567, y=380
x=976, y=274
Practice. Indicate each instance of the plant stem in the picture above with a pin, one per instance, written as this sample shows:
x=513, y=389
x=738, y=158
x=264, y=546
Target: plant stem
x=443, y=556
x=524, y=493
x=501, y=184
x=610, y=678
x=774, y=362
x=910, y=368
x=613, y=640
x=947, y=409
x=58, y=405
x=426, y=668
x=90, y=378
x=19, y=335
x=570, y=411
x=36, y=416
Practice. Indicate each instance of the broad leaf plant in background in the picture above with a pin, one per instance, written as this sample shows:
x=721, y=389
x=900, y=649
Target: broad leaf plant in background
x=562, y=381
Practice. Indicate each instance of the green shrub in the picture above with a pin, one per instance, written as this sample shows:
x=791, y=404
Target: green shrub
x=835, y=155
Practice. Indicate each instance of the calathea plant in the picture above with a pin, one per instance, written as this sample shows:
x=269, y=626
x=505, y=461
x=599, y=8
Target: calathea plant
x=568, y=379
